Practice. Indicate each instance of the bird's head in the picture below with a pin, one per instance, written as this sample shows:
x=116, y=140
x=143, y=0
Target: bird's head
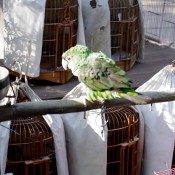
x=74, y=54
x=66, y=60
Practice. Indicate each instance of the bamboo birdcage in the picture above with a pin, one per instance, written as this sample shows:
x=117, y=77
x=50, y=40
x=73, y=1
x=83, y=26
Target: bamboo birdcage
x=123, y=136
x=124, y=32
x=31, y=146
x=60, y=33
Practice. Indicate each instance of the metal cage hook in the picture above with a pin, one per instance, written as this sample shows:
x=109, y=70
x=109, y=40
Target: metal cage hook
x=20, y=71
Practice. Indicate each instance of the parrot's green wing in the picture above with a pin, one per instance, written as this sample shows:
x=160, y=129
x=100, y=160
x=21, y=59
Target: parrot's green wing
x=101, y=73
x=104, y=79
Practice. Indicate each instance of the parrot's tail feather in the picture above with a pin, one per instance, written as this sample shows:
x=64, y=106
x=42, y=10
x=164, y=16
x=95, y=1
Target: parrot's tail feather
x=139, y=99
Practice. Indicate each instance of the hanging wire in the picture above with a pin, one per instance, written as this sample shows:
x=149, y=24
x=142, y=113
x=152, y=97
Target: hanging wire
x=12, y=130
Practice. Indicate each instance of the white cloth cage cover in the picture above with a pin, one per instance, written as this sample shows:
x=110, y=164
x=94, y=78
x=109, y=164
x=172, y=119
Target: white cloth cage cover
x=159, y=122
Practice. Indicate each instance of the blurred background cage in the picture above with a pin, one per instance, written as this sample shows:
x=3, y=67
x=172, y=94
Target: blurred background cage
x=31, y=147
x=124, y=32
x=123, y=136
x=60, y=33
x=159, y=20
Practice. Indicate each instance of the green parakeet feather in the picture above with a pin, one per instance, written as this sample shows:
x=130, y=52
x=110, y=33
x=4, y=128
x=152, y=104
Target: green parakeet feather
x=104, y=79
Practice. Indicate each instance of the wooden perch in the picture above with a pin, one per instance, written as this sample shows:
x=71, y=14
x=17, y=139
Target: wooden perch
x=32, y=109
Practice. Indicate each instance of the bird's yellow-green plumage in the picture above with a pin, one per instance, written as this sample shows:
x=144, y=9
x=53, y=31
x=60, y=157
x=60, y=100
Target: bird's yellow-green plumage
x=104, y=79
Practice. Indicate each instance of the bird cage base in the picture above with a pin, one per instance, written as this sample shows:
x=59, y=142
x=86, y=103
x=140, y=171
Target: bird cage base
x=126, y=64
x=166, y=172
x=56, y=76
x=59, y=76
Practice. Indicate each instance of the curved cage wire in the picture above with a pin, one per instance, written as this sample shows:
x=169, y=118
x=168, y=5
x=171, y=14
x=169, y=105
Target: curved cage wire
x=122, y=147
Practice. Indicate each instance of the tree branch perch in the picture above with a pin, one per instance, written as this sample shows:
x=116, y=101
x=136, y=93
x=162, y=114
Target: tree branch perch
x=32, y=109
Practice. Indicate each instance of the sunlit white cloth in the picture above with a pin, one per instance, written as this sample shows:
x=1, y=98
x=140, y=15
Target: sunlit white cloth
x=1, y=31
x=23, y=23
x=159, y=121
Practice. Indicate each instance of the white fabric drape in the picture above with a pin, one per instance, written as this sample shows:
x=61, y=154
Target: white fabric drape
x=23, y=22
x=94, y=23
x=159, y=121
x=1, y=31
x=85, y=138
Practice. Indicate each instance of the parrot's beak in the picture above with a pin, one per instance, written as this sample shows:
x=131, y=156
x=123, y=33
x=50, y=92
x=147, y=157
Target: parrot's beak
x=65, y=64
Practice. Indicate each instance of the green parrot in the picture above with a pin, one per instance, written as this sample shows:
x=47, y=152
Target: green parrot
x=103, y=78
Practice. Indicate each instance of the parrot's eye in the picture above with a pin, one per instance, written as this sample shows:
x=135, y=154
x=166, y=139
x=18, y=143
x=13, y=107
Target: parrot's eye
x=68, y=58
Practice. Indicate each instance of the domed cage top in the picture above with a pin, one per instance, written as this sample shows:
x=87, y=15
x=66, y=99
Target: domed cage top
x=31, y=146
x=123, y=135
x=124, y=31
